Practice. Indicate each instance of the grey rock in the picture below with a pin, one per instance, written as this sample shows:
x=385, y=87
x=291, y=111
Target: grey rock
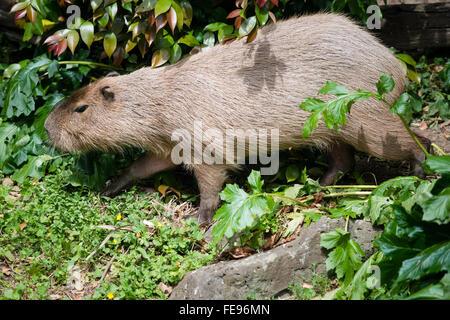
x=270, y=273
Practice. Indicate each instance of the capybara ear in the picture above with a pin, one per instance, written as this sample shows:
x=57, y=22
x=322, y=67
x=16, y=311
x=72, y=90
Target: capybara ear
x=107, y=93
x=113, y=74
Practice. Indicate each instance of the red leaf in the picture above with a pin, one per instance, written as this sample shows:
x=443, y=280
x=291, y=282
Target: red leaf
x=237, y=22
x=172, y=19
x=118, y=56
x=275, y=2
x=261, y=3
x=233, y=14
x=151, y=18
x=161, y=21
x=62, y=46
x=272, y=16
x=20, y=14
x=52, y=39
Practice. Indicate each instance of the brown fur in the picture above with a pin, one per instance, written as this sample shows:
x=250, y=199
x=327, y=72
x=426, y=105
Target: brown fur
x=247, y=86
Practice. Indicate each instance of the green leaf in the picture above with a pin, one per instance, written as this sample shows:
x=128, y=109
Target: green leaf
x=72, y=40
x=216, y=26
x=254, y=181
x=87, y=33
x=189, y=40
x=109, y=43
x=401, y=105
x=162, y=6
x=310, y=124
x=187, y=12
x=439, y=291
x=32, y=169
x=437, y=208
x=292, y=173
x=146, y=5
x=11, y=70
x=247, y=26
x=334, y=89
x=432, y=260
x=262, y=14
x=95, y=4
x=385, y=85
x=437, y=164
x=175, y=54
x=160, y=57
x=406, y=58
x=209, y=39
x=332, y=239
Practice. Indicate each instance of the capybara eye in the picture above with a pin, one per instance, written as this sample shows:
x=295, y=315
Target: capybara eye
x=81, y=109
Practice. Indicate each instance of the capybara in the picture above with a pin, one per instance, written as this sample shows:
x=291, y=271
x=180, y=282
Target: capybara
x=249, y=86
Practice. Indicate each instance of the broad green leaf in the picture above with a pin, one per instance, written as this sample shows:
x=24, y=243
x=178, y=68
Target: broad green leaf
x=180, y=14
x=310, y=124
x=247, y=26
x=87, y=33
x=254, y=181
x=95, y=4
x=187, y=12
x=216, y=26
x=333, y=88
x=209, y=39
x=162, y=6
x=175, y=54
x=401, y=105
x=72, y=40
x=437, y=164
x=146, y=5
x=112, y=10
x=432, y=260
x=292, y=173
x=11, y=70
x=109, y=43
x=189, y=40
x=262, y=14
x=406, y=58
x=160, y=57
x=437, y=208
x=385, y=85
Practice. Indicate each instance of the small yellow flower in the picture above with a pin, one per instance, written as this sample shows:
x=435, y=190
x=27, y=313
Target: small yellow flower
x=138, y=234
x=110, y=296
x=115, y=241
x=159, y=224
x=178, y=263
x=119, y=217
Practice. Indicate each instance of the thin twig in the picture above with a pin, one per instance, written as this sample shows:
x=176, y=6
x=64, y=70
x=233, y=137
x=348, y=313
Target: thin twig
x=101, y=244
x=107, y=268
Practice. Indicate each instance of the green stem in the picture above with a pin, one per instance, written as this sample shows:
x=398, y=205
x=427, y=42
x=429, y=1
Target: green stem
x=406, y=125
x=438, y=149
x=353, y=186
x=89, y=63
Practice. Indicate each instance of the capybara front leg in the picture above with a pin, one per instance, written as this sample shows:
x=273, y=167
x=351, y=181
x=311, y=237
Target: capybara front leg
x=142, y=168
x=340, y=160
x=210, y=179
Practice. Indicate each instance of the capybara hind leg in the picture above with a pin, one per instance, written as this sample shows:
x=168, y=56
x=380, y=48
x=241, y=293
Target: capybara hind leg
x=142, y=168
x=340, y=160
x=210, y=179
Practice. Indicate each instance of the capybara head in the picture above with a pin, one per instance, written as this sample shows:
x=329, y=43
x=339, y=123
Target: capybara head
x=88, y=119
